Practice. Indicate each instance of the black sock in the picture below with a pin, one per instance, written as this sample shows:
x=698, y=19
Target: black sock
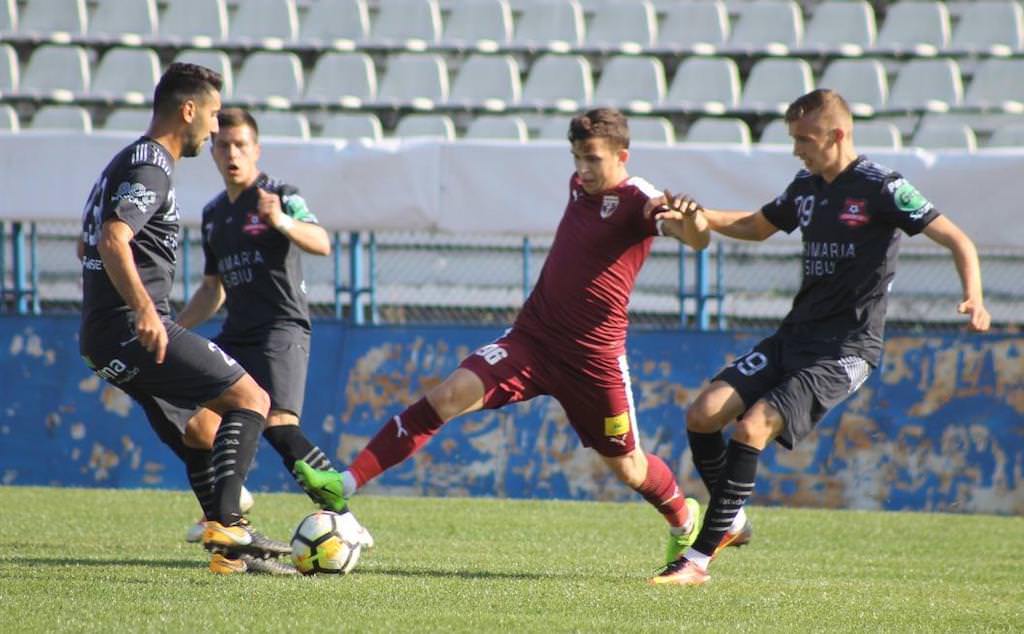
x=233, y=450
x=734, y=486
x=199, y=467
x=292, y=444
x=708, y=455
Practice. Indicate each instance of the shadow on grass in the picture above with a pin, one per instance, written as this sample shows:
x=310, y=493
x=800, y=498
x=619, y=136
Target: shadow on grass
x=63, y=562
x=455, y=574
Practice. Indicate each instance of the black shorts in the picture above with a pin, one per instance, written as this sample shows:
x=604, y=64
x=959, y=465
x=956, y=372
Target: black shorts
x=195, y=370
x=798, y=379
x=278, y=362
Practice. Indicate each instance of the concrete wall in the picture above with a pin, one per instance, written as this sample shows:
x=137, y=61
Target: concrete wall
x=940, y=426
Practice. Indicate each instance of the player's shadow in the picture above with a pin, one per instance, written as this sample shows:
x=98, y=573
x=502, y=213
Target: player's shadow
x=60, y=562
x=455, y=574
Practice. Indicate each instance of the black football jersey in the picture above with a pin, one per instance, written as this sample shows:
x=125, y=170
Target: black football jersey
x=851, y=233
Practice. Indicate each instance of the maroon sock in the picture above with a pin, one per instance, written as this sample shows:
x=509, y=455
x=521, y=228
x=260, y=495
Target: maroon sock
x=662, y=492
x=398, y=439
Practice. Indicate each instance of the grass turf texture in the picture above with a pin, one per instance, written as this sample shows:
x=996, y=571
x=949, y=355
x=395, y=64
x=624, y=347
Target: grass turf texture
x=112, y=560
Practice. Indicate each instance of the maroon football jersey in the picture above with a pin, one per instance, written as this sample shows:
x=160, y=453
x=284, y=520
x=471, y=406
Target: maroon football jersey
x=579, y=306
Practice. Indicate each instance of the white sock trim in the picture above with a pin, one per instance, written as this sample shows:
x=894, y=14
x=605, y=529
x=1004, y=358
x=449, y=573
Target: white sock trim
x=739, y=520
x=348, y=482
x=698, y=558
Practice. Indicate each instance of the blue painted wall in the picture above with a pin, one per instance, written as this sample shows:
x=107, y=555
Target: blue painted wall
x=940, y=426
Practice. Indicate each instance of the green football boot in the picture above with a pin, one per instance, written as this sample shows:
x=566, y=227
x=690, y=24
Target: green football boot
x=677, y=544
x=324, y=486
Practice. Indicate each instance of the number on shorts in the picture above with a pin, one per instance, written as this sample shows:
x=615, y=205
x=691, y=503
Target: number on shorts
x=492, y=353
x=215, y=348
x=751, y=363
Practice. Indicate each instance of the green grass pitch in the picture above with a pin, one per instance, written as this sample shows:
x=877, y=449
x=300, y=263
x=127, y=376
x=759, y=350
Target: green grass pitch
x=100, y=560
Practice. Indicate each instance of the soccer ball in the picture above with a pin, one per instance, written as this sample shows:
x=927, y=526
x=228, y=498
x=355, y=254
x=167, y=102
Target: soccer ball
x=327, y=542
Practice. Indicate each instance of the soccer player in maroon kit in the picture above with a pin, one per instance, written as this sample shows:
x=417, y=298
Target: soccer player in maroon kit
x=569, y=339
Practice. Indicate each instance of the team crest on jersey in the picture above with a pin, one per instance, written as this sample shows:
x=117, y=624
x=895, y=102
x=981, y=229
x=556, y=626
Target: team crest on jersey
x=854, y=212
x=253, y=225
x=608, y=205
x=136, y=194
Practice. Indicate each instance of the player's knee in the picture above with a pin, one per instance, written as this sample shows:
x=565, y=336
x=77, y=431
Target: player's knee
x=700, y=418
x=756, y=428
x=452, y=397
x=199, y=436
x=630, y=469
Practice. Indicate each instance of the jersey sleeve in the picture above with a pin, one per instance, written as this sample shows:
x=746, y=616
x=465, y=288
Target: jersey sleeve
x=644, y=192
x=210, y=266
x=140, y=191
x=295, y=205
x=782, y=212
x=905, y=207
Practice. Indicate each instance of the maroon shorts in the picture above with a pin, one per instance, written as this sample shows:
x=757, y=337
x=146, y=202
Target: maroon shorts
x=598, y=402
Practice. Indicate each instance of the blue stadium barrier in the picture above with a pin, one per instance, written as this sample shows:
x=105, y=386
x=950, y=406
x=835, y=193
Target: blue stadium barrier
x=939, y=427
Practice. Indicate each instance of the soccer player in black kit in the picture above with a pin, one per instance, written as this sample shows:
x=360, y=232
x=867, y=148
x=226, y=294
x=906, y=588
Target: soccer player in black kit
x=128, y=249
x=849, y=210
x=253, y=235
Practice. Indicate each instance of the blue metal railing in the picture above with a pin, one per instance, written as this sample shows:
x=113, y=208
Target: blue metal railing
x=22, y=293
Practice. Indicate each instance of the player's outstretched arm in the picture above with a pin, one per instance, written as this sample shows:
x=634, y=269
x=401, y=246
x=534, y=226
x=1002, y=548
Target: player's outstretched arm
x=681, y=218
x=741, y=225
x=310, y=237
x=945, y=232
x=116, y=252
x=205, y=302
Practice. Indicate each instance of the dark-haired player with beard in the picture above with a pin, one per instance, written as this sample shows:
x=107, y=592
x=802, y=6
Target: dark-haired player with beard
x=128, y=248
x=850, y=212
x=569, y=340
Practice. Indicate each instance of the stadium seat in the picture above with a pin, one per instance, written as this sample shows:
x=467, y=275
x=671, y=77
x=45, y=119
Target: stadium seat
x=126, y=75
x=623, y=26
x=927, y=85
x=694, y=27
x=997, y=85
x=482, y=25
x=774, y=83
x=726, y=131
x=63, y=117
x=10, y=71
x=487, y=81
x=657, y=130
x=126, y=22
x=435, y=126
x=1007, y=136
x=862, y=82
x=633, y=83
x=352, y=126
x=508, y=128
x=56, y=72
x=989, y=28
x=876, y=134
x=266, y=24
x=705, y=84
x=213, y=59
x=920, y=28
x=776, y=133
x=271, y=79
x=197, y=23
x=555, y=25
x=419, y=80
x=337, y=24
x=56, y=21
x=553, y=128
x=411, y=24
x=8, y=118
x=345, y=79
x=8, y=16
x=292, y=125
x=128, y=120
x=844, y=28
x=767, y=26
x=561, y=82
x=945, y=136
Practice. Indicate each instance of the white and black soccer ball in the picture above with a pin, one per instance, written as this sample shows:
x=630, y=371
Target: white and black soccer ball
x=327, y=542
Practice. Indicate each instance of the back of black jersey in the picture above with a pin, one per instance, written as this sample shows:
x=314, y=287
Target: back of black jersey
x=135, y=188
x=850, y=246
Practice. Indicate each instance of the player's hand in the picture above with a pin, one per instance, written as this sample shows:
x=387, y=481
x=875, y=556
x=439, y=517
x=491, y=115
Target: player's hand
x=152, y=333
x=674, y=207
x=269, y=207
x=979, y=319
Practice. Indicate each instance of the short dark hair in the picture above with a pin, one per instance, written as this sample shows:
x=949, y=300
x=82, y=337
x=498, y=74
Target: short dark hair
x=606, y=123
x=236, y=118
x=181, y=82
x=820, y=99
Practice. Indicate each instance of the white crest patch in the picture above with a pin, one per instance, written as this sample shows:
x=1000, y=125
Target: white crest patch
x=609, y=205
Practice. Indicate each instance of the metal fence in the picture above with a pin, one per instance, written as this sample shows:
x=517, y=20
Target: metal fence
x=418, y=278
